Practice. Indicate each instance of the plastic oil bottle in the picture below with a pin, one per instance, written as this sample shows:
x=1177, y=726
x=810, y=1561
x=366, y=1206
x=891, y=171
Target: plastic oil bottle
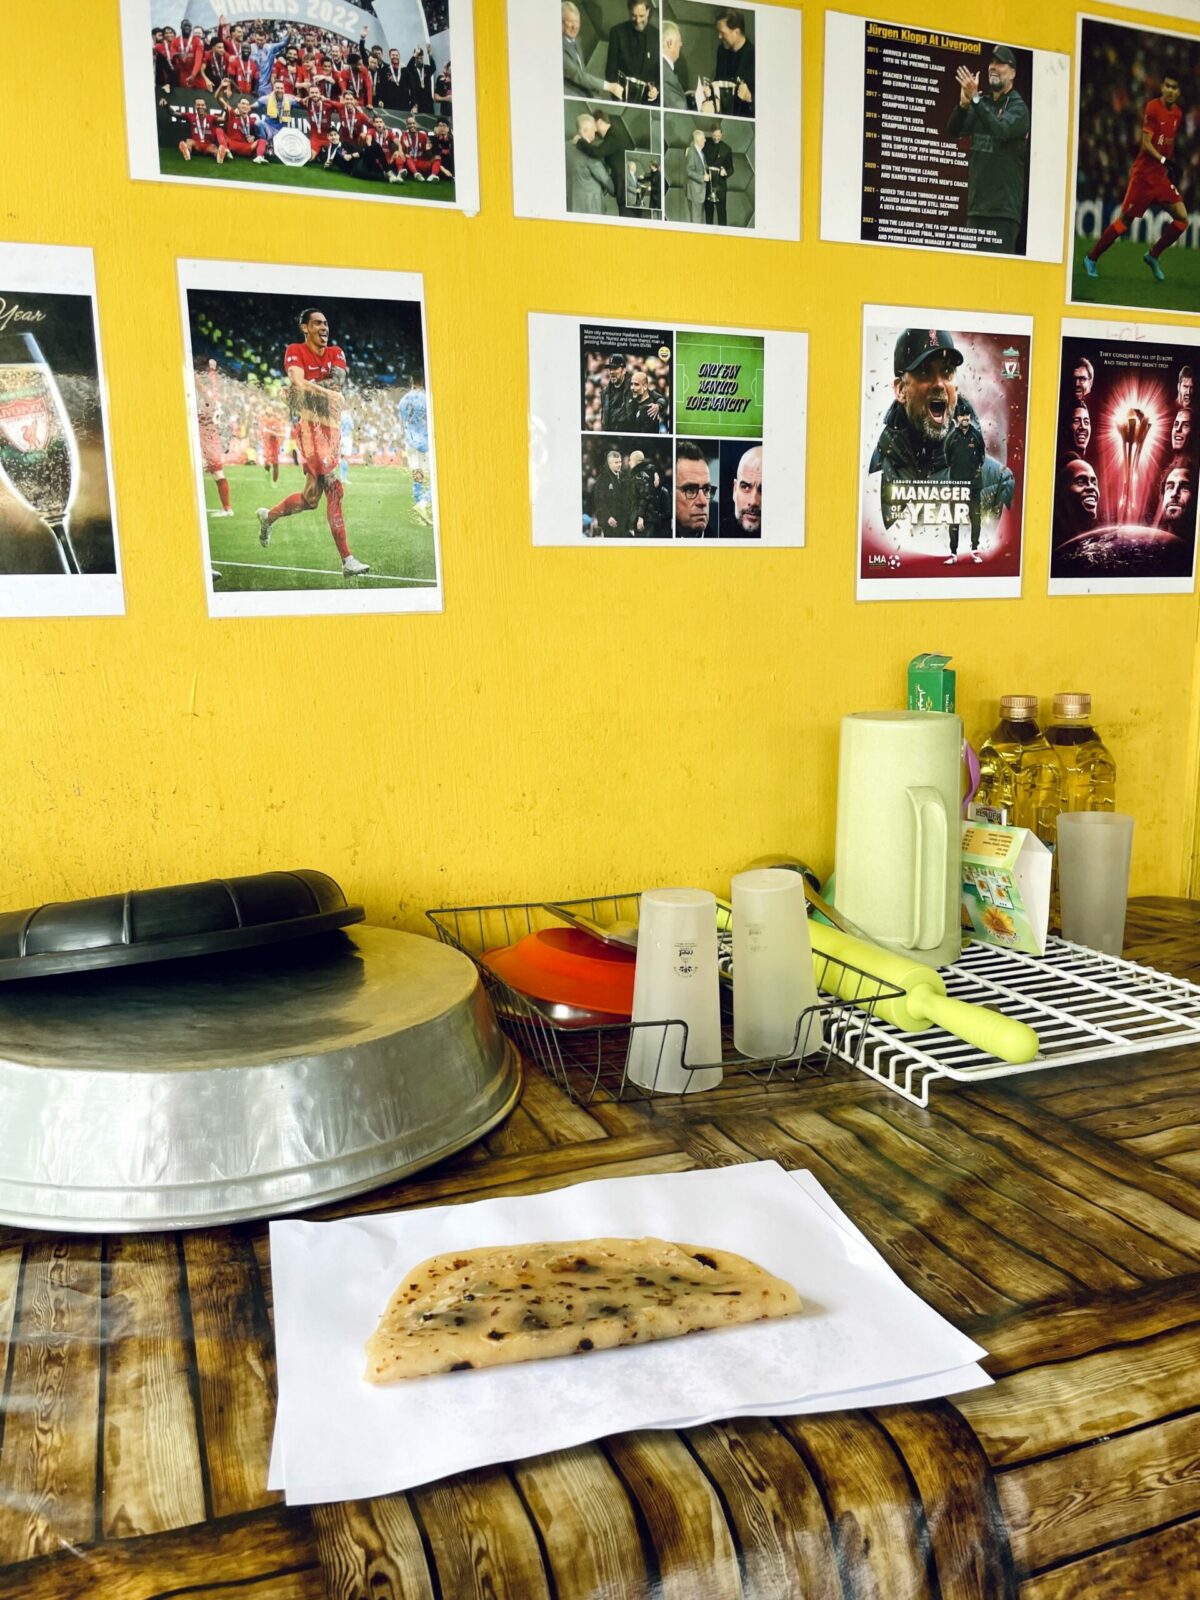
x=1019, y=774
x=1089, y=773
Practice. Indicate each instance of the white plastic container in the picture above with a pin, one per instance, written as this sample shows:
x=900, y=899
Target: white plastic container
x=773, y=980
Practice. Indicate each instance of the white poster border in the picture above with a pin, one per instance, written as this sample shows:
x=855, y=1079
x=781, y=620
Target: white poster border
x=247, y=277
x=64, y=269
x=955, y=321
x=1118, y=333
x=141, y=121
x=556, y=433
x=842, y=147
x=539, y=144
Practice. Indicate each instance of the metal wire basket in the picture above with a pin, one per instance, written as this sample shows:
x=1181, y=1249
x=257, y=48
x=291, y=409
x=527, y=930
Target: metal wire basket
x=592, y=1060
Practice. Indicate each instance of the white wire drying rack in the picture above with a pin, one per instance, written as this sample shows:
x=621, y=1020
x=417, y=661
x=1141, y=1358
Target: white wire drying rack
x=1083, y=1005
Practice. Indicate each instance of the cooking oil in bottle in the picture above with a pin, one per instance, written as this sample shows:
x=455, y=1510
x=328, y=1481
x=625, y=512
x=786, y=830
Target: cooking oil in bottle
x=1089, y=772
x=1019, y=774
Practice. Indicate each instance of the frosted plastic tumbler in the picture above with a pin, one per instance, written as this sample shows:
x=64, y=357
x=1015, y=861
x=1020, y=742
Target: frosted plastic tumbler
x=1094, y=848
x=772, y=965
x=675, y=981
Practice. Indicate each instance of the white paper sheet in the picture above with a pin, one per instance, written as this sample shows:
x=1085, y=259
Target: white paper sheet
x=861, y=1332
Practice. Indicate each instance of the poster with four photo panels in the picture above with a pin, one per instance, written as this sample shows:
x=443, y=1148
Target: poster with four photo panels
x=937, y=141
x=655, y=433
x=683, y=116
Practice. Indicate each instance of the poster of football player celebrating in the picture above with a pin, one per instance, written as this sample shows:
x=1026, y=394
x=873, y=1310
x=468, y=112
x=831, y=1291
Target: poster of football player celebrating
x=345, y=520
x=942, y=470
x=1125, y=502
x=315, y=97
x=1135, y=238
x=58, y=536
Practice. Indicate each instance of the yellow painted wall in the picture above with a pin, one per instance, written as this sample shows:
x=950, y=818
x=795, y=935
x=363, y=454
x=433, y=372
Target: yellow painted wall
x=575, y=720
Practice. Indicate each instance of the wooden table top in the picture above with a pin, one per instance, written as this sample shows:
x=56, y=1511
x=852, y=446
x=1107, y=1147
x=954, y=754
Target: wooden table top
x=1053, y=1216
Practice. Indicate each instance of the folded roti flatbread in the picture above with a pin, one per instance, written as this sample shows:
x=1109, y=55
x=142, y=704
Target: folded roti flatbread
x=503, y=1304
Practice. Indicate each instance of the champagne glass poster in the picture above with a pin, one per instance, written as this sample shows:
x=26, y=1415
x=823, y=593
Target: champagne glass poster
x=58, y=537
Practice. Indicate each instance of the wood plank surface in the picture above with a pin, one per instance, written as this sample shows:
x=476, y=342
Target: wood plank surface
x=586, y=1522
x=50, y=1445
x=691, y=1540
x=917, y=1257
x=272, y=1556
x=483, y=1544
x=773, y=1507
x=1087, y=1498
x=1048, y=1408
x=953, y=1478
x=234, y=1366
x=1054, y=1216
x=1157, y=1566
x=879, y=1526
x=372, y=1550
x=153, y=1476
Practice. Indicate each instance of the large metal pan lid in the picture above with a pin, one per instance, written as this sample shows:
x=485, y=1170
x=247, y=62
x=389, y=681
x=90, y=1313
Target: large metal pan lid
x=187, y=919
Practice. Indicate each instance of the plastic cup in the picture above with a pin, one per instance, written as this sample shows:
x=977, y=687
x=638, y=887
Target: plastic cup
x=1094, y=848
x=773, y=979
x=676, y=981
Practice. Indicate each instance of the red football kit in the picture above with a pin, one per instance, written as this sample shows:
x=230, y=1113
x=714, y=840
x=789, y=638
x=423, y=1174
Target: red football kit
x=191, y=62
x=203, y=131
x=1148, y=181
x=245, y=76
x=323, y=117
x=318, y=431
x=417, y=153
x=242, y=135
x=210, y=438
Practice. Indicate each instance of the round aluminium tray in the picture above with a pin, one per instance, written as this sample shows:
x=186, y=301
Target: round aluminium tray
x=243, y=1086
x=188, y=919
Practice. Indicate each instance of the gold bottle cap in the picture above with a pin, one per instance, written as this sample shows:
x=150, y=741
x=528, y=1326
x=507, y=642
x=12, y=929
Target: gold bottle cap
x=1072, y=705
x=1019, y=707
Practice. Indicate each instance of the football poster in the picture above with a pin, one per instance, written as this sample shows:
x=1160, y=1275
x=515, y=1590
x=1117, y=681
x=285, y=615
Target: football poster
x=959, y=144
x=1128, y=449
x=1135, y=223
x=942, y=468
x=58, y=535
x=370, y=101
x=312, y=439
x=683, y=115
x=656, y=434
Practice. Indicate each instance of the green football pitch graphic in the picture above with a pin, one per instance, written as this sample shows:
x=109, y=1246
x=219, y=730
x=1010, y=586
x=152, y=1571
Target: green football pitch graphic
x=382, y=527
x=313, y=179
x=696, y=350
x=1126, y=280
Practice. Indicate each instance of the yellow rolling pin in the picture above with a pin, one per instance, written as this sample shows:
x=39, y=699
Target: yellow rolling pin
x=925, y=1000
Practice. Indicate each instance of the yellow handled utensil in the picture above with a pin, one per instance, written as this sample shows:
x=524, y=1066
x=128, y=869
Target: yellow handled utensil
x=924, y=1001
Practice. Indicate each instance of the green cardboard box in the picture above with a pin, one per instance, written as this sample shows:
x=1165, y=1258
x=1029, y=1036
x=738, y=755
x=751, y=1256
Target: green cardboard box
x=930, y=683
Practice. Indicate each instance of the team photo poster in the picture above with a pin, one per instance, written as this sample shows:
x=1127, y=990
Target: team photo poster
x=1127, y=450
x=959, y=143
x=659, y=434
x=366, y=102
x=1135, y=234
x=684, y=115
x=944, y=424
x=58, y=536
x=312, y=438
